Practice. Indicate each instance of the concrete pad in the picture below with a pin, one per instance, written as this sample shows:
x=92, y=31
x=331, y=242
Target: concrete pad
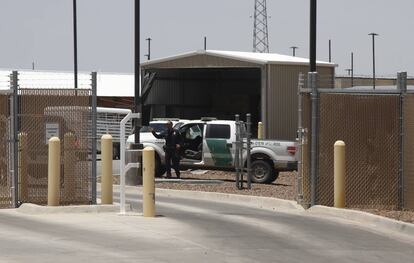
x=363, y=217
x=267, y=203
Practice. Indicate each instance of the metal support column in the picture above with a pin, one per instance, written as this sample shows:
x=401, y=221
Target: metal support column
x=94, y=135
x=312, y=79
x=402, y=87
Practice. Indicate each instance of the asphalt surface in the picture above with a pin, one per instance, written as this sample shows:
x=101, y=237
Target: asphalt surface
x=194, y=231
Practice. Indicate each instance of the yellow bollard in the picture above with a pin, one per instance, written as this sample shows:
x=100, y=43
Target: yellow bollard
x=260, y=130
x=53, y=184
x=69, y=162
x=23, y=175
x=107, y=181
x=148, y=157
x=339, y=174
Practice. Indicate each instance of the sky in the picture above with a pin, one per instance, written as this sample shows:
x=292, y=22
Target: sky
x=41, y=31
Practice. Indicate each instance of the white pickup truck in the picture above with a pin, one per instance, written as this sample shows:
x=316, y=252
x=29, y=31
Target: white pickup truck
x=210, y=145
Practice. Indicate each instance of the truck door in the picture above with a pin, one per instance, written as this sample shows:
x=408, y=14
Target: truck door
x=218, y=146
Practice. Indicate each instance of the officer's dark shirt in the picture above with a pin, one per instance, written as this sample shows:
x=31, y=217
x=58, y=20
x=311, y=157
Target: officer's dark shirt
x=172, y=138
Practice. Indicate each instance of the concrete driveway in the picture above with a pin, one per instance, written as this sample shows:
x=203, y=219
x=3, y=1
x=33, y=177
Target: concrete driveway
x=194, y=231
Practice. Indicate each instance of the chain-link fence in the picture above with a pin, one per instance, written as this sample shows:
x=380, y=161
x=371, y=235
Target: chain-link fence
x=64, y=113
x=376, y=127
x=33, y=108
x=5, y=178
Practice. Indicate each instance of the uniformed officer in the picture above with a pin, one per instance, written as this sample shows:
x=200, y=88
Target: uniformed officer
x=172, y=147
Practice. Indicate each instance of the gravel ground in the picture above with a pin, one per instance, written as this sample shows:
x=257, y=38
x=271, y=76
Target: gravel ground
x=284, y=188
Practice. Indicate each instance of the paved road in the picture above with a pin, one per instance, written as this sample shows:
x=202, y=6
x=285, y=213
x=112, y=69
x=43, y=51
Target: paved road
x=193, y=231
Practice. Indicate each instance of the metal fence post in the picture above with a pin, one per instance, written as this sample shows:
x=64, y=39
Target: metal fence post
x=15, y=111
x=300, y=141
x=94, y=116
x=312, y=79
x=236, y=152
x=402, y=87
x=248, y=146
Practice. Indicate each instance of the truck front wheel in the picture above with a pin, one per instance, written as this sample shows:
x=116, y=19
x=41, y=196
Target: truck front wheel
x=263, y=172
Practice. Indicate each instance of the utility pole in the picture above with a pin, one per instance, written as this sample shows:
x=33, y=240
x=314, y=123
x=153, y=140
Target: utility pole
x=260, y=29
x=205, y=43
x=294, y=50
x=373, y=58
x=149, y=48
x=330, y=51
x=352, y=69
x=75, y=45
x=33, y=65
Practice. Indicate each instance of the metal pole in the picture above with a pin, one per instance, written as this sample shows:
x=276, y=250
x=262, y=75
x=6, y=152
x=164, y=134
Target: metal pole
x=75, y=45
x=352, y=69
x=294, y=50
x=15, y=134
x=312, y=38
x=330, y=50
x=300, y=139
x=312, y=78
x=373, y=58
x=402, y=87
x=94, y=134
x=205, y=43
x=236, y=152
x=137, y=100
x=149, y=48
x=248, y=146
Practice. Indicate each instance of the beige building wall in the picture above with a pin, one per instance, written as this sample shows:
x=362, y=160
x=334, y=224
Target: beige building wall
x=282, y=98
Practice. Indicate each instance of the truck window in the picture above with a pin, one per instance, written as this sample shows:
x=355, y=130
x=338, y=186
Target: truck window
x=218, y=131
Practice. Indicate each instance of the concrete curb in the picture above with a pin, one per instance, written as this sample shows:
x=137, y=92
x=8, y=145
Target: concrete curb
x=267, y=203
x=34, y=209
x=364, y=218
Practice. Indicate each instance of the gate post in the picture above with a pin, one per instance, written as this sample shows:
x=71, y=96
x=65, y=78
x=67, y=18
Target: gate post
x=312, y=79
x=14, y=113
x=23, y=175
x=402, y=87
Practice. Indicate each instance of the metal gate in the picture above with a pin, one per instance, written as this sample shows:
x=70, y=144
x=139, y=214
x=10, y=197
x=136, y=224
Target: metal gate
x=64, y=113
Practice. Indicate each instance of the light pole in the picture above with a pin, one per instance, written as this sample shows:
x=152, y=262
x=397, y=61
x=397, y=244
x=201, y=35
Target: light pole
x=312, y=36
x=352, y=69
x=330, y=51
x=373, y=58
x=149, y=48
x=137, y=99
x=75, y=45
x=294, y=50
